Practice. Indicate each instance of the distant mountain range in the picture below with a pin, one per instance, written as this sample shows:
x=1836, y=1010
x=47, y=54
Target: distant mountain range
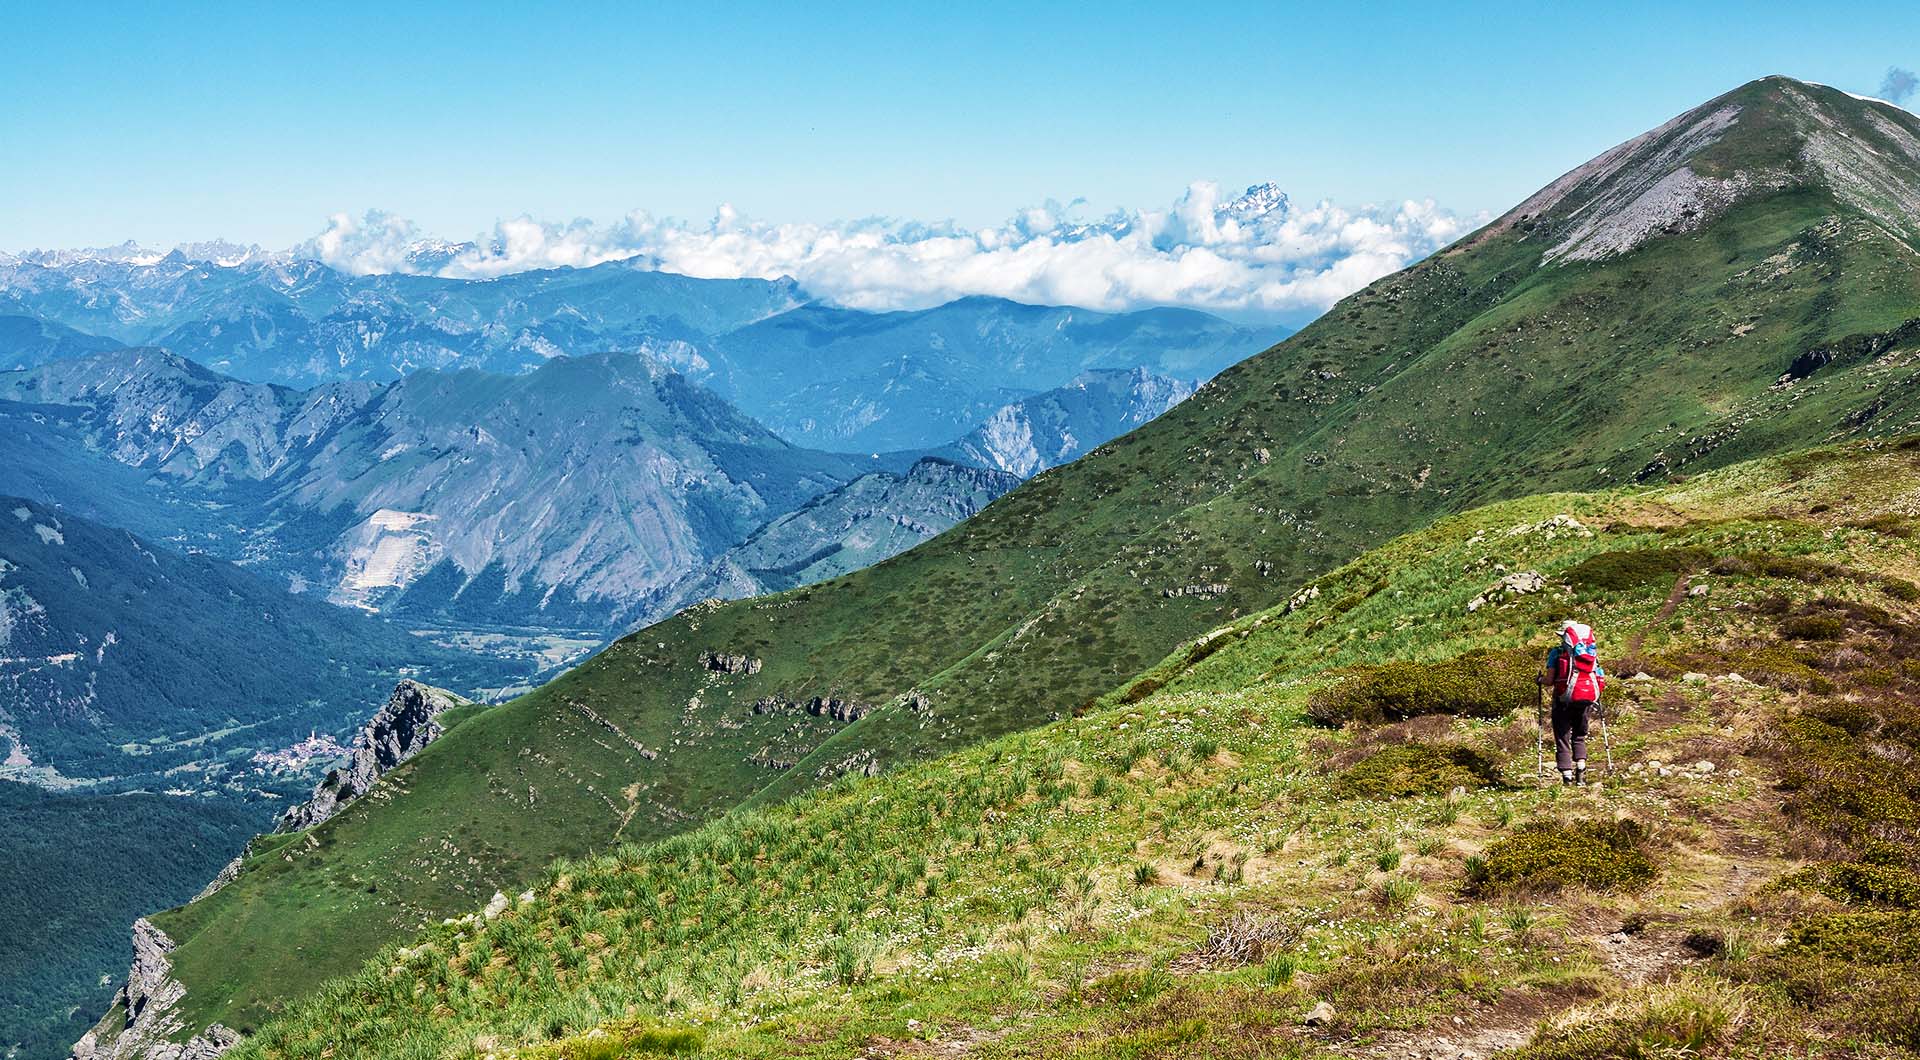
x=302, y=323
x=1054, y=428
x=26, y=341
x=583, y=495
x=817, y=375
x=566, y=497
x=867, y=520
x=843, y=380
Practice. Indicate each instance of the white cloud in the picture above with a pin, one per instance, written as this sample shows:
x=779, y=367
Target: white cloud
x=1256, y=253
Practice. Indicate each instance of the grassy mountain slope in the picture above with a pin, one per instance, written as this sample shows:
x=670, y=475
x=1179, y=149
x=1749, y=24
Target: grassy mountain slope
x=1477, y=374
x=1193, y=865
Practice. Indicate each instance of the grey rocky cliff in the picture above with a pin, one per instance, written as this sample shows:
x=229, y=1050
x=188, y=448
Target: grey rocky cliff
x=143, y=1022
x=868, y=520
x=1046, y=430
x=400, y=730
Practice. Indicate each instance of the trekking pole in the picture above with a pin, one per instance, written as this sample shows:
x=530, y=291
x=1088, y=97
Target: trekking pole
x=1606, y=738
x=1540, y=730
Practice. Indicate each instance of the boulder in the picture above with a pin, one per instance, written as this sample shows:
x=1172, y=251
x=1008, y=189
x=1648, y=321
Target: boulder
x=1519, y=583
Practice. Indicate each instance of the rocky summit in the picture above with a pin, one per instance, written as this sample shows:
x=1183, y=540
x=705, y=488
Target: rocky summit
x=402, y=728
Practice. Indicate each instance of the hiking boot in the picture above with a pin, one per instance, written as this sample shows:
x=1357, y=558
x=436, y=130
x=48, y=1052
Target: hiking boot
x=1580, y=776
x=1566, y=776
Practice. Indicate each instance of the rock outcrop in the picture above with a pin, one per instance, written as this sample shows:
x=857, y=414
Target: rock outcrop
x=220, y=879
x=819, y=707
x=721, y=663
x=143, y=1023
x=398, y=732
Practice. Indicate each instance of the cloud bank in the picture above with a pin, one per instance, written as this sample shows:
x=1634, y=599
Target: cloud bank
x=1256, y=253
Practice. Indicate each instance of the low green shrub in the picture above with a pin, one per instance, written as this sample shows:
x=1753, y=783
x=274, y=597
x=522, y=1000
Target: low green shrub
x=617, y=1042
x=1548, y=855
x=1852, y=974
x=1876, y=937
x=1890, y=524
x=1858, y=882
x=1775, y=565
x=1787, y=667
x=1814, y=627
x=1414, y=769
x=1478, y=684
x=1632, y=568
x=1841, y=783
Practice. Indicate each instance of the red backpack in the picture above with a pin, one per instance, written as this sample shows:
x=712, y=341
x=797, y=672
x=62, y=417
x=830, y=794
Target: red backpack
x=1580, y=664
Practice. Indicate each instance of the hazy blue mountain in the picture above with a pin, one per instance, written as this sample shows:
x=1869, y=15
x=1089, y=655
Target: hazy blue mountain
x=26, y=340
x=303, y=323
x=843, y=379
x=818, y=375
x=1046, y=430
x=874, y=517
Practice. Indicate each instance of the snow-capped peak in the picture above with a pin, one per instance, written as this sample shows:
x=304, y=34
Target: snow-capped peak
x=1258, y=201
x=209, y=252
x=431, y=255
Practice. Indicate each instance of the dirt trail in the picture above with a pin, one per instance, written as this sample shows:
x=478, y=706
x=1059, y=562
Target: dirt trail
x=1506, y=1024
x=1679, y=593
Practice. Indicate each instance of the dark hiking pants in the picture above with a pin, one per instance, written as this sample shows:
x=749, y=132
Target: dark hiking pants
x=1570, y=723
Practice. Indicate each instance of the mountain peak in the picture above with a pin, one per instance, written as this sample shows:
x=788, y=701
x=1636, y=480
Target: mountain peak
x=1258, y=201
x=1766, y=137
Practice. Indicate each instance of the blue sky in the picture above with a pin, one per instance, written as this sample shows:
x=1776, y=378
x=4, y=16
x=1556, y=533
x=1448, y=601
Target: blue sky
x=170, y=122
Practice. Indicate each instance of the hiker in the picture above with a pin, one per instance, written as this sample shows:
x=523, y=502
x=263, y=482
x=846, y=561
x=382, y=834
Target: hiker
x=1573, y=667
